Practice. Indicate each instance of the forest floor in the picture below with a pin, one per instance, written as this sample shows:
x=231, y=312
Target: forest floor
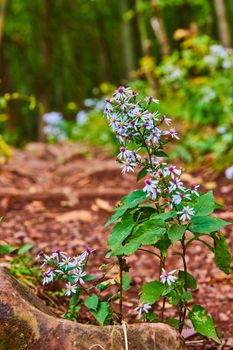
x=59, y=196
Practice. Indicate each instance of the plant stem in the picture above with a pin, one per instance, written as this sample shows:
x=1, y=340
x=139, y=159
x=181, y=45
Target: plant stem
x=182, y=318
x=149, y=251
x=83, y=288
x=120, y=261
x=162, y=265
x=163, y=309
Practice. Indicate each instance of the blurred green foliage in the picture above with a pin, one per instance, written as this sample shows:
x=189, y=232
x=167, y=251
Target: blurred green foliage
x=59, y=54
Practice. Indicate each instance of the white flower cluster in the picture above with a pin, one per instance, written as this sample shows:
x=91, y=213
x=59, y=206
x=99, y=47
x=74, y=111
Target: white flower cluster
x=137, y=120
x=229, y=173
x=60, y=266
x=53, y=125
x=219, y=56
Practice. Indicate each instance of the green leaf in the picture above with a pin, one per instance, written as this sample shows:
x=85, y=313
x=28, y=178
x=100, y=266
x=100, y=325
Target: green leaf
x=101, y=286
x=134, y=198
x=175, y=232
x=203, y=323
x=119, y=212
x=143, y=213
x=88, y=278
x=24, y=249
x=149, y=232
x=191, y=281
x=186, y=296
x=206, y=224
x=142, y=173
x=205, y=204
x=174, y=322
x=102, y=312
x=121, y=230
x=151, y=292
x=149, y=317
x=75, y=297
x=92, y=302
x=126, y=249
x=126, y=280
x=129, y=202
x=6, y=249
x=165, y=216
x=222, y=255
x=163, y=244
x=160, y=154
x=218, y=206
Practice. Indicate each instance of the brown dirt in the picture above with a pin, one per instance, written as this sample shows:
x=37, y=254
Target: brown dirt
x=61, y=195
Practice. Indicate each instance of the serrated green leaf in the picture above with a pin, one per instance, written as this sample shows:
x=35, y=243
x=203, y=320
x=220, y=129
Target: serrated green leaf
x=142, y=173
x=126, y=249
x=92, y=302
x=24, y=249
x=222, y=255
x=126, y=280
x=134, y=198
x=206, y=224
x=175, y=232
x=6, y=249
x=129, y=202
x=119, y=212
x=143, y=213
x=191, y=281
x=205, y=204
x=151, y=292
x=149, y=232
x=121, y=230
x=203, y=323
x=163, y=244
x=102, y=312
x=165, y=216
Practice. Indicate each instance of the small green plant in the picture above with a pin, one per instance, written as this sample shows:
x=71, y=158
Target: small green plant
x=22, y=263
x=171, y=213
x=79, y=286
x=164, y=215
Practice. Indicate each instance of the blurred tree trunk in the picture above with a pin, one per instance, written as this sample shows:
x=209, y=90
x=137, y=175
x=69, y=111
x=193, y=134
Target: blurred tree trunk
x=3, y=4
x=46, y=48
x=146, y=45
x=105, y=48
x=223, y=28
x=127, y=43
x=4, y=83
x=3, y=80
x=159, y=29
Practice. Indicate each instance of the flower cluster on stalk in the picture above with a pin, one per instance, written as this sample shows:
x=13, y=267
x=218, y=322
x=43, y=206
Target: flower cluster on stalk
x=60, y=266
x=138, y=122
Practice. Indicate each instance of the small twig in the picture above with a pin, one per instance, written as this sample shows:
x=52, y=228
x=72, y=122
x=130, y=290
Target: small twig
x=125, y=335
x=99, y=346
x=190, y=342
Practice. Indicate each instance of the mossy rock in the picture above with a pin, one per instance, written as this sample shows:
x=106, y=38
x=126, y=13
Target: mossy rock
x=26, y=323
